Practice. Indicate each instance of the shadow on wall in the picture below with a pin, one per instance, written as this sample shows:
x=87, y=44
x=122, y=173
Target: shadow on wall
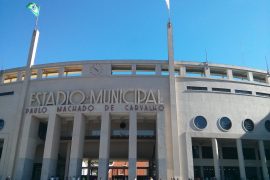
x=261, y=130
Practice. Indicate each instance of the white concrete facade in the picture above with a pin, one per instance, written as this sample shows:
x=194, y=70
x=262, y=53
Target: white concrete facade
x=106, y=111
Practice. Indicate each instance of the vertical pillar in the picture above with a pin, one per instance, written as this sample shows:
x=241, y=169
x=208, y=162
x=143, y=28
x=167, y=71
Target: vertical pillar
x=39, y=74
x=132, y=146
x=133, y=69
x=161, y=146
x=241, y=159
x=19, y=76
x=27, y=151
x=61, y=72
x=189, y=157
x=103, y=163
x=76, y=153
x=207, y=71
x=216, y=158
x=51, y=148
x=221, y=166
x=263, y=160
x=229, y=74
x=158, y=69
x=250, y=76
x=182, y=71
x=2, y=77
x=86, y=70
x=67, y=160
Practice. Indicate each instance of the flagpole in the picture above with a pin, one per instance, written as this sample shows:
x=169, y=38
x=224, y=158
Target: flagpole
x=19, y=119
x=36, y=23
x=173, y=110
x=169, y=14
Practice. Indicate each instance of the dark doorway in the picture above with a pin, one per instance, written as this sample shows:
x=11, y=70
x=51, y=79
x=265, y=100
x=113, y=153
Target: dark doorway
x=36, y=171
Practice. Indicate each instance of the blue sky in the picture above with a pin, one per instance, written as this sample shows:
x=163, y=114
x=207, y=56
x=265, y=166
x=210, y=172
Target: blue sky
x=233, y=31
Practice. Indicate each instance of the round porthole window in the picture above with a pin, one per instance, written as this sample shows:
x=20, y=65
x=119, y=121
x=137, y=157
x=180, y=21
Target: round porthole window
x=225, y=123
x=267, y=125
x=200, y=122
x=2, y=123
x=248, y=125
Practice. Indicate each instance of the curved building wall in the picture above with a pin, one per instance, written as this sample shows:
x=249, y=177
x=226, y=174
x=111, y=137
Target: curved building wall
x=214, y=104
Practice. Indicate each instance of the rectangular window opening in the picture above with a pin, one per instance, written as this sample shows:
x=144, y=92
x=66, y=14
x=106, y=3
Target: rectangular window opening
x=229, y=153
x=243, y=92
x=50, y=74
x=121, y=70
x=195, y=72
x=73, y=72
x=240, y=76
x=218, y=73
x=259, y=78
x=262, y=94
x=196, y=151
x=221, y=90
x=7, y=93
x=10, y=78
x=165, y=71
x=33, y=75
x=196, y=88
x=145, y=70
x=249, y=153
x=207, y=152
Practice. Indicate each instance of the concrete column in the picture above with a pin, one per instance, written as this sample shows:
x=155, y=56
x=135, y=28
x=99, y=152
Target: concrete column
x=250, y=76
x=161, y=146
x=39, y=73
x=86, y=70
x=158, y=69
x=51, y=148
x=2, y=77
x=105, y=135
x=189, y=157
x=207, y=71
x=19, y=76
x=132, y=146
x=133, y=69
x=263, y=160
x=67, y=160
x=229, y=74
x=216, y=158
x=29, y=141
x=182, y=71
x=61, y=72
x=241, y=159
x=76, y=153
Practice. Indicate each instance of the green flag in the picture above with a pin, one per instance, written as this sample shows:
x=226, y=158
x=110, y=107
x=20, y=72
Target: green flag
x=34, y=8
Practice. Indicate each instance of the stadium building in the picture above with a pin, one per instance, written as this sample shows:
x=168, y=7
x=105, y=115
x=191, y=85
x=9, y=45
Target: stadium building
x=134, y=119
